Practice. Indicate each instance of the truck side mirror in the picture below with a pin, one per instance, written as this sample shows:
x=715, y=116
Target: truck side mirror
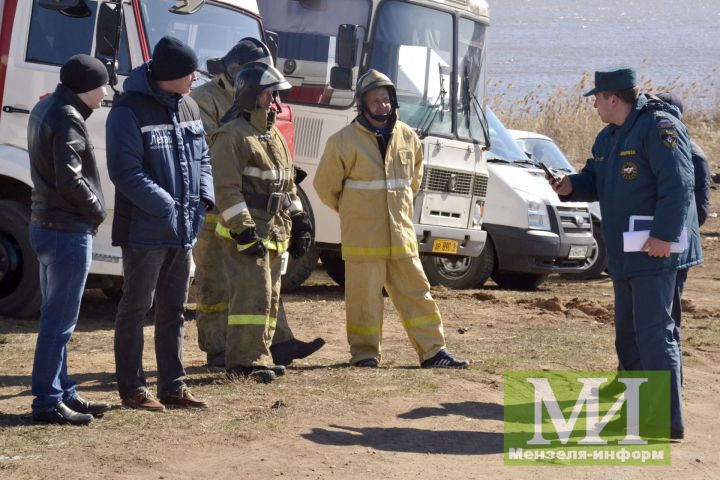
x=346, y=46
x=273, y=43
x=341, y=78
x=69, y=8
x=107, y=36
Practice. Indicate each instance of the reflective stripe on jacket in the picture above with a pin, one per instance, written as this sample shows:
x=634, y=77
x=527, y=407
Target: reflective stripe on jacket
x=250, y=159
x=374, y=196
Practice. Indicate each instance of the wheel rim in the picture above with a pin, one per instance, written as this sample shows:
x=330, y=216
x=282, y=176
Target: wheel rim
x=452, y=268
x=10, y=265
x=594, y=254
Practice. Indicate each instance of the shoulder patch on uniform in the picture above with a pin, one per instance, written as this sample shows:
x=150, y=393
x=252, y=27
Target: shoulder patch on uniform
x=669, y=138
x=627, y=153
x=629, y=171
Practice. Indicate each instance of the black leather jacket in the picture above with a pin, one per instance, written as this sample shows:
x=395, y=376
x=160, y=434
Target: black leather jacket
x=66, y=194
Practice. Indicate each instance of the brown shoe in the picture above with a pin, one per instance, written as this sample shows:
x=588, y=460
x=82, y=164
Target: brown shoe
x=143, y=400
x=182, y=398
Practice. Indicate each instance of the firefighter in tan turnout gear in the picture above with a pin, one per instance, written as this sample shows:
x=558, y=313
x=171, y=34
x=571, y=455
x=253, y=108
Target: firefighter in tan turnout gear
x=369, y=173
x=260, y=218
x=214, y=99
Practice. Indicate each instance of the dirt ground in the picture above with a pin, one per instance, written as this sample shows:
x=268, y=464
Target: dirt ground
x=324, y=420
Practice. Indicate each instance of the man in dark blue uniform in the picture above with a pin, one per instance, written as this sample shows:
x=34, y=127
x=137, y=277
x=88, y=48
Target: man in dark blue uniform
x=702, y=204
x=641, y=166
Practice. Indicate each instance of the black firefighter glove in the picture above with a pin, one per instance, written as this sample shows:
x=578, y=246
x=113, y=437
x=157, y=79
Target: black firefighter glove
x=249, y=243
x=300, y=235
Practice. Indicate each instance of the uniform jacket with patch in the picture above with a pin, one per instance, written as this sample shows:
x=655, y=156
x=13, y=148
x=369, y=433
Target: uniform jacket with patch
x=252, y=159
x=643, y=167
x=66, y=191
x=372, y=194
x=158, y=160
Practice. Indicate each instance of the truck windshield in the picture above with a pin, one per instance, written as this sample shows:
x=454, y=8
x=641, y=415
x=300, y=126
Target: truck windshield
x=307, y=31
x=211, y=32
x=413, y=45
x=502, y=144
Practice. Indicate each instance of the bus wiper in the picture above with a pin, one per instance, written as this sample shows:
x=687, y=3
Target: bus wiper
x=429, y=118
x=483, y=120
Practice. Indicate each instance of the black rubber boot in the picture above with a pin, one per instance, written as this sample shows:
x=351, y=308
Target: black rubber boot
x=284, y=353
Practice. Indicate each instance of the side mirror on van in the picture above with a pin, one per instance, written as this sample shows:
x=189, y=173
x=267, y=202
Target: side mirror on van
x=341, y=78
x=69, y=8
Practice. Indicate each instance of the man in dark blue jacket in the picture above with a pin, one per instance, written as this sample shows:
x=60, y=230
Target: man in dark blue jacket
x=159, y=163
x=641, y=166
x=67, y=207
x=702, y=204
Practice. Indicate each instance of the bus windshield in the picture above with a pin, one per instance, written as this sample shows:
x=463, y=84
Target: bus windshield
x=413, y=45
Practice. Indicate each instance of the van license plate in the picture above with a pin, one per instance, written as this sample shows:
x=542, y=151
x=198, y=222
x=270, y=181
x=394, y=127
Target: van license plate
x=578, y=251
x=445, y=246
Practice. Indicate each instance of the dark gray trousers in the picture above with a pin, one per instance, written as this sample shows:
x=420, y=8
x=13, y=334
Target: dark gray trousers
x=151, y=273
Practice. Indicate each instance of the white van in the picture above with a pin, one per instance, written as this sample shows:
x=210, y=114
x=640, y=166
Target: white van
x=530, y=232
x=543, y=149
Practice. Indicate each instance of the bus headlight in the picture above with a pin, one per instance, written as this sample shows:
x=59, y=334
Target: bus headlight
x=478, y=213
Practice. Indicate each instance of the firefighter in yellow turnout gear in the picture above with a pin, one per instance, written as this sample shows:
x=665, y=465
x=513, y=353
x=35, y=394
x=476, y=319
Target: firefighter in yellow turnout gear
x=369, y=173
x=260, y=218
x=214, y=99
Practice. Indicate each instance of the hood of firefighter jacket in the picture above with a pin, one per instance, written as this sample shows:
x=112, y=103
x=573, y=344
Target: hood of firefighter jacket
x=139, y=81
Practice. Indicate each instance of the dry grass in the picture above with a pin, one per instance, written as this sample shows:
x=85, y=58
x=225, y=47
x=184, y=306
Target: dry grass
x=570, y=119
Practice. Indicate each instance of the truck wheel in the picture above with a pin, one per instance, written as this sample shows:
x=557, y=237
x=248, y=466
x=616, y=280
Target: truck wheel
x=299, y=269
x=518, y=281
x=597, y=261
x=112, y=288
x=334, y=265
x=460, y=272
x=19, y=271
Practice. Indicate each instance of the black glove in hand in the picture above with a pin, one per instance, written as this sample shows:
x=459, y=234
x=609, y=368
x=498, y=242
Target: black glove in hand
x=299, y=244
x=249, y=243
x=300, y=235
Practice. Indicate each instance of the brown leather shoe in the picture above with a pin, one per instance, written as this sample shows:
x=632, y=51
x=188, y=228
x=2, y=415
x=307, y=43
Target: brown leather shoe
x=143, y=400
x=182, y=398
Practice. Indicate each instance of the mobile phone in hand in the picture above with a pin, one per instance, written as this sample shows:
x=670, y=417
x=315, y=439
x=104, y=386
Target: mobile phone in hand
x=548, y=172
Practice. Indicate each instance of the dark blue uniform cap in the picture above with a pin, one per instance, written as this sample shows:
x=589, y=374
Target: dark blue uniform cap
x=613, y=81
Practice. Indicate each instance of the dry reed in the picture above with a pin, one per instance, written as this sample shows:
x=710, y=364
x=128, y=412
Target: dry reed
x=570, y=119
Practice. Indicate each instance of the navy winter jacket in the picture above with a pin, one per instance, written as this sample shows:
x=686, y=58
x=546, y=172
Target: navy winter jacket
x=159, y=162
x=643, y=167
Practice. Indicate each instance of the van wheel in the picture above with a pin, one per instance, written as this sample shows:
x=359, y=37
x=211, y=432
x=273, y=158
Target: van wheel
x=519, y=281
x=19, y=271
x=459, y=271
x=299, y=269
x=597, y=261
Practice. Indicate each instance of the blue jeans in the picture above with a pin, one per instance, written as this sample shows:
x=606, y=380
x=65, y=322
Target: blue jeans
x=64, y=259
x=644, y=332
x=162, y=274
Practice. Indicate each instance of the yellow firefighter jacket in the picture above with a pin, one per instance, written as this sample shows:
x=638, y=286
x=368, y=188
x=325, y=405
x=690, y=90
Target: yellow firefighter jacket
x=252, y=162
x=374, y=196
x=214, y=99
